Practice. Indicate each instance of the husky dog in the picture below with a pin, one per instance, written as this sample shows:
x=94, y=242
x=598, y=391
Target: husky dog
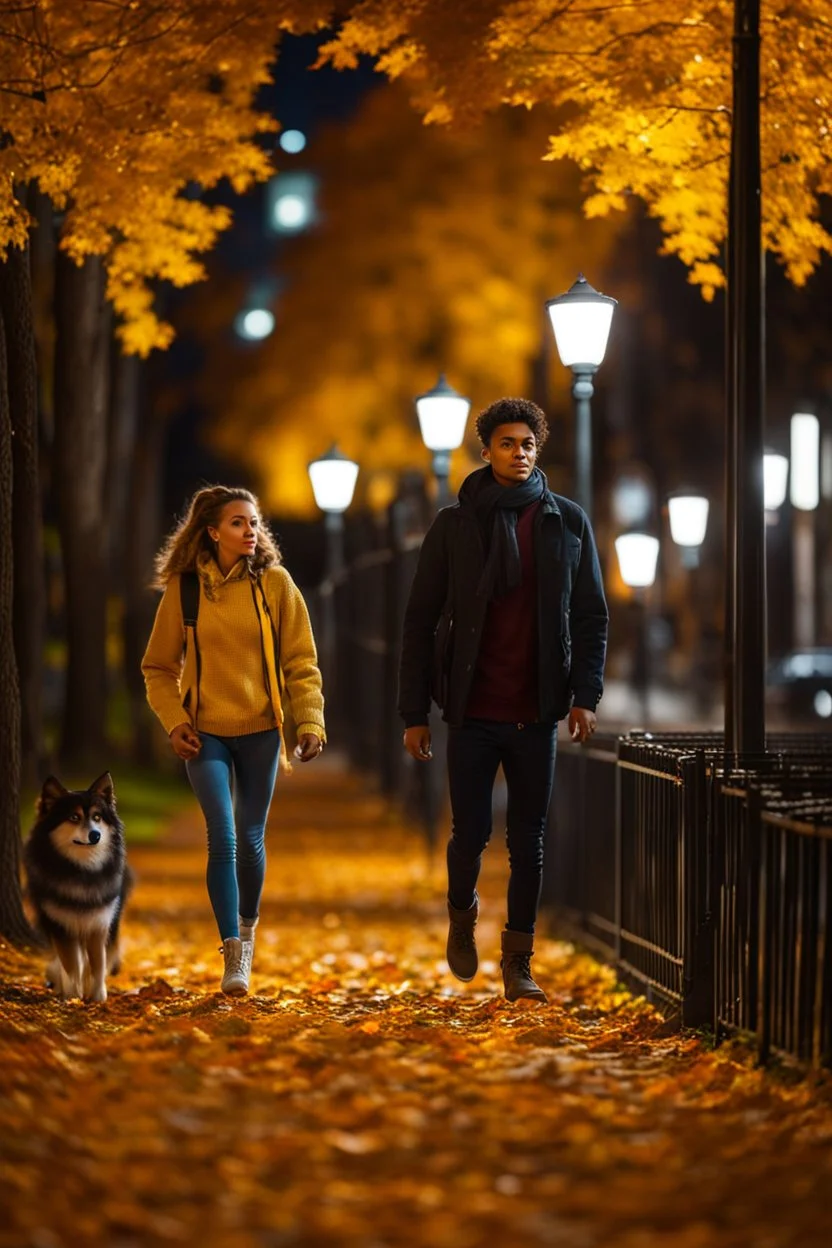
x=78, y=882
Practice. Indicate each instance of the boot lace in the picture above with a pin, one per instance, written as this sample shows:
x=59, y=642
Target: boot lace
x=462, y=938
x=246, y=956
x=233, y=958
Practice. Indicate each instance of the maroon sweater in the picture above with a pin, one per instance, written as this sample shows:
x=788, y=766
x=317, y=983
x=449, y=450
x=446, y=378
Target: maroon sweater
x=505, y=679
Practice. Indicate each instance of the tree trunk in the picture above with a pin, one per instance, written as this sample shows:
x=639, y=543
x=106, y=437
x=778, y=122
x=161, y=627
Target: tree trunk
x=13, y=924
x=141, y=543
x=80, y=460
x=121, y=447
x=27, y=531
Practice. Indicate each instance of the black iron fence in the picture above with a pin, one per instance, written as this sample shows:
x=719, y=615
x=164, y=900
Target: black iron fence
x=705, y=877
x=357, y=615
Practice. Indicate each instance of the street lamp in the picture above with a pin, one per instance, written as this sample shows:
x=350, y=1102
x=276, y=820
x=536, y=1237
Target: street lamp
x=581, y=321
x=688, y=514
x=333, y=478
x=442, y=415
x=638, y=555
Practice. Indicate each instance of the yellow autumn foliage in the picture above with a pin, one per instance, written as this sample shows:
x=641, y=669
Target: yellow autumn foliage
x=124, y=114
x=435, y=252
x=643, y=99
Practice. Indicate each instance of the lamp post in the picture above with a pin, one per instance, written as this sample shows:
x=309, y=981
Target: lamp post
x=804, y=495
x=442, y=415
x=638, y=555
x=581, y=320
x=333, y=478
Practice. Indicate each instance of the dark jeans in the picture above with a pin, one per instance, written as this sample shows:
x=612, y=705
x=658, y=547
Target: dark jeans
x=233, y=779
x=527, y=753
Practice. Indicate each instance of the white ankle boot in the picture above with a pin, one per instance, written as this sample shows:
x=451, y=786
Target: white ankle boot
x=247, y=927
x=235, y=977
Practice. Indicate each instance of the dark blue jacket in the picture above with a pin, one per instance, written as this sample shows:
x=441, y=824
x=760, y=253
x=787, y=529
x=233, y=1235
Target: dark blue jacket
x=445, y=615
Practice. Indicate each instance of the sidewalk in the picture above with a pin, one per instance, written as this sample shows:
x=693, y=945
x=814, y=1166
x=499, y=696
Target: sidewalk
x=360, y=1096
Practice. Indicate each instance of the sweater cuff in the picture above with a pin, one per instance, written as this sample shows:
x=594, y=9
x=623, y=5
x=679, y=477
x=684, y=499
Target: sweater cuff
x=316, y=729
x=172, y=720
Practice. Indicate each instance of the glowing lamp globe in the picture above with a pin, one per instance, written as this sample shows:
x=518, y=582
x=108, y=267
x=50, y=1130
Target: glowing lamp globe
x=775, y=480
x=688, y=518
x=442, y=415
x=333, y=478
x=581, y=321
x=638, y=555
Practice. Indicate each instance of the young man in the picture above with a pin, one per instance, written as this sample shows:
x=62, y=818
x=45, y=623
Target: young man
x=506, y=626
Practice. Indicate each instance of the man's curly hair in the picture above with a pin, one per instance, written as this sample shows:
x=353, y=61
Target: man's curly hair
x=510, y=412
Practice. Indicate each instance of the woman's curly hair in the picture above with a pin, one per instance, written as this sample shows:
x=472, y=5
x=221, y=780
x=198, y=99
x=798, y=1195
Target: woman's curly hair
x=510, y=412
x=190, y=537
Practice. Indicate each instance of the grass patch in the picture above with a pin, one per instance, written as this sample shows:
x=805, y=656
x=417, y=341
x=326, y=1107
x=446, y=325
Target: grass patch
x=146, y=800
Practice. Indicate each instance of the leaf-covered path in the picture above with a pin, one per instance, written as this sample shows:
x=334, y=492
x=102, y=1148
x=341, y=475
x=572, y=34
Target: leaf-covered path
x=361, y=1097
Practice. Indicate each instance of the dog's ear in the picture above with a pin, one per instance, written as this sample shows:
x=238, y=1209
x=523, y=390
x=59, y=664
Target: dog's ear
x=103, y=787
x=49, y=794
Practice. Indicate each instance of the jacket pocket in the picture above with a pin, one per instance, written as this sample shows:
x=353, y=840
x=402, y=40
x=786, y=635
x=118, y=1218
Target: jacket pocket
x=443, y=642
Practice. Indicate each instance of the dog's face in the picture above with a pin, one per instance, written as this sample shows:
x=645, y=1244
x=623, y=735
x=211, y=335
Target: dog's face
x=81, y=824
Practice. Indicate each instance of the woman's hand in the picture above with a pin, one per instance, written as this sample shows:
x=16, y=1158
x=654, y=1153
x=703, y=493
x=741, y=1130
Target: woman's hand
x=308, y=747
x=185, y=741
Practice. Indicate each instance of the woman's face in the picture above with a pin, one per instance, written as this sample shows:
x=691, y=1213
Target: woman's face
x=236, y=533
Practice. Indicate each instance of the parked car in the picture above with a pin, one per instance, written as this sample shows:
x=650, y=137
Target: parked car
x=799, y=693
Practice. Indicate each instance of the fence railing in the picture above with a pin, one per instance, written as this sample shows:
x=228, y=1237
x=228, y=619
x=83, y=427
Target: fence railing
x=705, y=877
x=357, y=616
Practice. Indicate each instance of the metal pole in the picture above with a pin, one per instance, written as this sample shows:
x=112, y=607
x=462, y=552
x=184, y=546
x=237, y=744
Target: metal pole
x=582, y=392
x=333, y=571
x=745, y=730
x=441, y=471
x=642, y=657
x=334, y=524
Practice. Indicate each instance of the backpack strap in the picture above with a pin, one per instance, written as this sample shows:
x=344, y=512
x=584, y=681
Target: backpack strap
x=189, y=600
x=189, y=597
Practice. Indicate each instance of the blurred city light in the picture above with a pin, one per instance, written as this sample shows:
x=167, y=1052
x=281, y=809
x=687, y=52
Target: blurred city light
x=291, y=212
x=632, y=499
x=254, y=324
x=292, y=141
x=804, y=486
x=775, y=480
x=688, y=518
x=823, y=703
x=290, y=202
x=638, y=555
x=333, y=478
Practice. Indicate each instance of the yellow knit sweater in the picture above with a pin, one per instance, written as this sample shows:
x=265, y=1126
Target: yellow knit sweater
x=229, y=695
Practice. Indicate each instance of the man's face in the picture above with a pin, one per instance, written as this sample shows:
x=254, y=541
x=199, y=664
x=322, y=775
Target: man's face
x=511, y=452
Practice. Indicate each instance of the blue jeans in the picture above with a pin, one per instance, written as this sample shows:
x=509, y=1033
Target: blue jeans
x=527, y=753
x=233, y=779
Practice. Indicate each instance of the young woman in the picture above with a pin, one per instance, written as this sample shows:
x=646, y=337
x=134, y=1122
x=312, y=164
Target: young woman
x=217, y=680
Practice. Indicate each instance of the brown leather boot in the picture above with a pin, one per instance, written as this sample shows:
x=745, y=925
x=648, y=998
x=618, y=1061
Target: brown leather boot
x=518, y=948
x=462, y=947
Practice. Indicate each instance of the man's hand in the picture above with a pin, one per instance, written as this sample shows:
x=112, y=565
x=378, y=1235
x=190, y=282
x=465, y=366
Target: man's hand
x=417, y=742
x=582, y=723
x=185, y=741
x=308, y=747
